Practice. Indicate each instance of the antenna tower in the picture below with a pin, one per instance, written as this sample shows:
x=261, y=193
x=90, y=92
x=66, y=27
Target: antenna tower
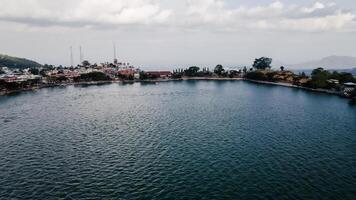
x=80, y=54
x=115, y=58
x=71, y=56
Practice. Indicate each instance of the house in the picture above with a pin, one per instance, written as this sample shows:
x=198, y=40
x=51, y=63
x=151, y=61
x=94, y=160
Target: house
x=6, y=70
x=333, y=81
x=127, y=72
x=9, y=79
x=137, y=76
x=350, y=84
x=24, y=78
x=348, y=88
x=108, y=70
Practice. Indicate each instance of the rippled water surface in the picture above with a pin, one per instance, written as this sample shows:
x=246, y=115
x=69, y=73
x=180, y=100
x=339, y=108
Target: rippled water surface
x=177, y=140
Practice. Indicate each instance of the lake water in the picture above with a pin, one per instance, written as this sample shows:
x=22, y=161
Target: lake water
x=177, y=140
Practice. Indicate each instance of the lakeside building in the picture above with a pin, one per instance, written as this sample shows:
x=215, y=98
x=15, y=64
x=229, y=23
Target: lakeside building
x=8, y=78
x=17, y=79
x=159, y=74
x=21, y=78
x=333, y=81
x=349, y=86
x=5, y=69
x=127, y=73
x=66, y=75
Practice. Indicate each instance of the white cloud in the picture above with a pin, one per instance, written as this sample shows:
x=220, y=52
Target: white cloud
x=316, y=6
x=206, y=11
x=212, y=14
x=331, y=22
x=276, y=16
x=83, y=12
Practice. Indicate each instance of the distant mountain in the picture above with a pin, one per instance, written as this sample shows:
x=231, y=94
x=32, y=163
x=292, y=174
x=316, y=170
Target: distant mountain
x=331, y=62
x=14, y=62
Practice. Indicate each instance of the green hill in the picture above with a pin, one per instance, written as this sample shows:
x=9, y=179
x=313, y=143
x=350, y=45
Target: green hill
x=14, y=62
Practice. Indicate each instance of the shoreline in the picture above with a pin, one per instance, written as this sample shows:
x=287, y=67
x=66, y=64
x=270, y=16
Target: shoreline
x=38, y=87
x=3, y=93
x=298, y=87
x=211, y=79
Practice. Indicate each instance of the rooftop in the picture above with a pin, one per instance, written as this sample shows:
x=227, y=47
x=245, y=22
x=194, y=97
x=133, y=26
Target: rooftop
x=350, y=84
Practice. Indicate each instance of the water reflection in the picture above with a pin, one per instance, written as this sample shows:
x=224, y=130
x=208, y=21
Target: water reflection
x=176, y=140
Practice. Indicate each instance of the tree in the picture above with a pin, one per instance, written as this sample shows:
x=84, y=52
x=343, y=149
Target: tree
x=303, y=75
x=143, y=75
x=234, y=73
x=319, y=78
x=320, y=73
x=256, y=75
x=34, y=71
x=282, y=68
x=43, y=72
x=353, y=94
x=48, y=67
x=2, y=83
x=219, y=69
x=262, y=63
x=1, y=71
x=85, y=63
x=194, y=69
x=94, y=76
x=191, y=71
x=342, y=77
x=244, y=69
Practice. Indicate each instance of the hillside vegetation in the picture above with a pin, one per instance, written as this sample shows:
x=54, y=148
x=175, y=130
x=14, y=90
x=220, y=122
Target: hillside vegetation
x=14, y=62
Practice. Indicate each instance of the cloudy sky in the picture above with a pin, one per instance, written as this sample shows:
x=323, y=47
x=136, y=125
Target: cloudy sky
x=169, y=33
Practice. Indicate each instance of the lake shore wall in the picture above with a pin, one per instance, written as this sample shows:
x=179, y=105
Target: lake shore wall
x=177, y=79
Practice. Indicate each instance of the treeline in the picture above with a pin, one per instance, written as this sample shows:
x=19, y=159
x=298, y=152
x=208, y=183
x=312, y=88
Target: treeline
x=321, y=78
x=195, y=71
x=91, y=76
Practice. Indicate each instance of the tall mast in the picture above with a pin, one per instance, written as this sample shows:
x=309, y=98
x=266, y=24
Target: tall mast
x=80, y=54
x=114, y=46
x=71, y=56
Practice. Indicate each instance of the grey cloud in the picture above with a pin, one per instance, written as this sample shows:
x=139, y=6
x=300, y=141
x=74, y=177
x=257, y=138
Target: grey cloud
x=191, y=14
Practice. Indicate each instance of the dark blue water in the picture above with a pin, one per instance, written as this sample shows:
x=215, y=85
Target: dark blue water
x=177, y=140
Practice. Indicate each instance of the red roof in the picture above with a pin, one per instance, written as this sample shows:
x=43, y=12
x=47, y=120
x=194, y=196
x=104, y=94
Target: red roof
x=127, y=72
x=9, y=79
